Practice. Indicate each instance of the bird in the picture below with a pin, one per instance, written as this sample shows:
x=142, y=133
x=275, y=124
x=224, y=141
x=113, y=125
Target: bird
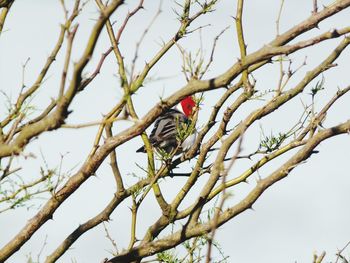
x=173, y=131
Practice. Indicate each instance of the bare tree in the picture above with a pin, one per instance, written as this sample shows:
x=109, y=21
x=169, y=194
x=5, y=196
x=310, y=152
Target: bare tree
x=219, y=145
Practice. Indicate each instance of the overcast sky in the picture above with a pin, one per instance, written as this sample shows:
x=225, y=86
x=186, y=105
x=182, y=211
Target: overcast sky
x=306, y=212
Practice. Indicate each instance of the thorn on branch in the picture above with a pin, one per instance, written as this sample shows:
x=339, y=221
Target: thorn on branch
x=335, y=33
x=315, y=7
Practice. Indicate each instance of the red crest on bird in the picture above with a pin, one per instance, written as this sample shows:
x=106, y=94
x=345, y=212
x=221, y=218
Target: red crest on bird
x=187, y=105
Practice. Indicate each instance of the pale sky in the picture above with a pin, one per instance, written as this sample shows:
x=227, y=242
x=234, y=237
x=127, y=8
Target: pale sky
x=306, y=212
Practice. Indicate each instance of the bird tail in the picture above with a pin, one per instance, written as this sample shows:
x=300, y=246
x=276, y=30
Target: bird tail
x=141, y=149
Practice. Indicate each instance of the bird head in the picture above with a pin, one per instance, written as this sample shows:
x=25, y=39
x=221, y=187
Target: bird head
x=187, y=106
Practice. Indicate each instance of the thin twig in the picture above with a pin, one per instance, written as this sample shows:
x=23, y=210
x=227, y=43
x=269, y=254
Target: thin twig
x=315, y=8
x=70, y=39
x=224, y=196
x=211, y=58
x=143, y=35
x=339, y=254
x=134, y=210
x=279, y=18
x=109, y=237
x=113, y=162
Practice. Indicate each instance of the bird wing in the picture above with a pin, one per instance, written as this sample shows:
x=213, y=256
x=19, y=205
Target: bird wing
x=165, y=127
